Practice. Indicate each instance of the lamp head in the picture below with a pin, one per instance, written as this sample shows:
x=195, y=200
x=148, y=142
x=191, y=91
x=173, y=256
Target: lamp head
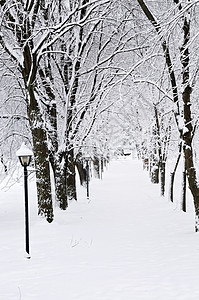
x=25, y=155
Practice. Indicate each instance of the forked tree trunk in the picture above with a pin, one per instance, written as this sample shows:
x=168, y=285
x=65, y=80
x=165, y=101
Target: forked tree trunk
x=39, y=137
x=40, y=148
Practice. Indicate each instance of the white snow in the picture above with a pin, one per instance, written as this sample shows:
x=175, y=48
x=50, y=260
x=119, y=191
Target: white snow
x=24, y=151
x=180, y=122
x=125, y=243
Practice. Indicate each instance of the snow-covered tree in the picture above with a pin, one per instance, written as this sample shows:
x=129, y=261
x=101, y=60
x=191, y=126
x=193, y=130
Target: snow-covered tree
x=67, y=55
x=177, y=31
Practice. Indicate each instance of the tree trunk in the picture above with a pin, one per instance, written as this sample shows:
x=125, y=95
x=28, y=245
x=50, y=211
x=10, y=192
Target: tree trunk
x=102, y=166
x=162, y=177
x=184, y=189
x=81, y=172
x=154, y=166
x=172, y=174
x=61, y=185
x=145, y=164
x=192, y=180
x=155, y=174
x=57, y=159
x=96, y=166
x=4, y=164
x=71, y=178
x=39, y=137
x=40, y=146
x=196, y=217
x=188, y=132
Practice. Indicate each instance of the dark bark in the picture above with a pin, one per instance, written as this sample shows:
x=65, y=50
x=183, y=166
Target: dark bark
x=196, y=217
x=81, y=172
x=61, y=186
x=184, y=189
x=39, y=137
x=96, y=167
x=154, y=161
x=173, y=173
x=71, y=176
x=145, y=164
x=162, y=177
x=155, y=174
x=172, y=177
x=40, y=148
x=102, y=166
x=188, y=131
x=57, y=159
x=162, y=151
x=4, y=164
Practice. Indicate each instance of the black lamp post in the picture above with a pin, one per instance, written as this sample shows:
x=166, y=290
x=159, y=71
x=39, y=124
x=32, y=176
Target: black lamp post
x=25, y=154
x=87, y=175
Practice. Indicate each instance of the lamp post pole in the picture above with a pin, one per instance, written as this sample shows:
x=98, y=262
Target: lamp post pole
x=26, y=211
x=87, y=177
x=25, y=155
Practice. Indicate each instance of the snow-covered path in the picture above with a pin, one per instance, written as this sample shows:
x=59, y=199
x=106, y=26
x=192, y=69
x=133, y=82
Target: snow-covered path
x=126, y=243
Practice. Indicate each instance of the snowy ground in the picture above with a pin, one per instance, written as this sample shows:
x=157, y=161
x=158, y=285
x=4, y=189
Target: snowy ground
x=126, y=243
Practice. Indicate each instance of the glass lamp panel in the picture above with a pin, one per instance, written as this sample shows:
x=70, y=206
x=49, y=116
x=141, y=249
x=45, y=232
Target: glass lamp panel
x=25, y=160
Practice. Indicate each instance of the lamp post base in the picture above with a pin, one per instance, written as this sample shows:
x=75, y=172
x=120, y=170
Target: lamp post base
x=27, y=255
